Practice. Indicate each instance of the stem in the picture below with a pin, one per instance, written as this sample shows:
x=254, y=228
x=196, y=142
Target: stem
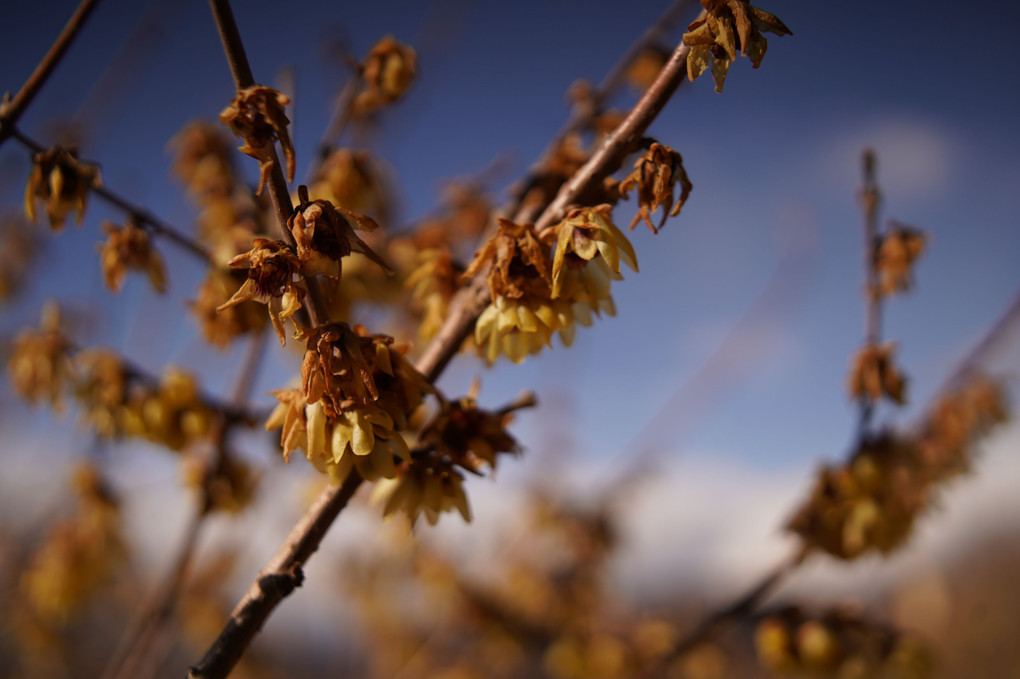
x=278, y=193
x=738, y=608
x=870, y=199
x=11, y=111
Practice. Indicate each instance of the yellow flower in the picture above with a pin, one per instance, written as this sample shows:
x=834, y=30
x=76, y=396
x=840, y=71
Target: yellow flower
x=584, y=235
x=62, y=182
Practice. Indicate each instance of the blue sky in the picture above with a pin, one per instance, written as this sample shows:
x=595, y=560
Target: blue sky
x=774, y=161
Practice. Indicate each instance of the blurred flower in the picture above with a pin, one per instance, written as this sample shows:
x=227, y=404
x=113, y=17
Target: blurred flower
x=40, y=364
x=62, y=182
x=874, y=374
x=386, y=74
x=898, y=249
x=129, y=247
x=221, y=327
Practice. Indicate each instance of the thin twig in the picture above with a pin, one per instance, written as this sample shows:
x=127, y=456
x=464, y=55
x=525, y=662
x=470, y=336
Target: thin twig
x=11, y=111
x=870, y=198
x=139, y=214
x=134, y=655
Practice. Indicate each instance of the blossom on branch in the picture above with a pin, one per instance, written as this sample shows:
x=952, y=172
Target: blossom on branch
x=257, y=115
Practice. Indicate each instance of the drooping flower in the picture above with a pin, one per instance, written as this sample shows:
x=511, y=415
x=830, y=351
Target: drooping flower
x=257, y=115
x=129, y=247
x=898, y=249
x=587, y=238
x=433, y=284
x=655, y=175
x=40, y=365
x=271, y=267
x=728, y=26
x=62, y=183
x=324, y=234
x=874, y=374
x=387, y=73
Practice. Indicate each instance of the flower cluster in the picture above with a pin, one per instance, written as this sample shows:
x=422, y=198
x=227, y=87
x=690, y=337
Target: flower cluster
x=257, y=115
x=129, y=247
x=838, y=642
x=79, y=553
x=357, y=393
x=872, y=501
x=62, y=183
x=531, y=298
x=386, y=74
x=655, y=175
x=729, y=26
x=40, y=365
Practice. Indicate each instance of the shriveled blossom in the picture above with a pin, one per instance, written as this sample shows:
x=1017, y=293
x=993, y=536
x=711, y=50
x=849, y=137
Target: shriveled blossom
x=221, y=327
x=271, y=267
x=874, y=374
x=257, y=115
x=469, y=436
x=129, y=247
x=520, y=319
x=386, y=74
x=79, y=553
x=655, y=176
x=40, y=366
x=898, y=249
x=62, y=183
x=728, y=27
x=356, y=395
x=324, y=234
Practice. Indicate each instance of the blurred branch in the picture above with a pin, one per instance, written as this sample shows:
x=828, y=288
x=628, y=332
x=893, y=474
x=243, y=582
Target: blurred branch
x=11, y=111
x=870, y=198
x=139, y=214
x=134, y=655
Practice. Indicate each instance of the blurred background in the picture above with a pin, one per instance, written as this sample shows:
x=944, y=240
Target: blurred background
x=671, y=443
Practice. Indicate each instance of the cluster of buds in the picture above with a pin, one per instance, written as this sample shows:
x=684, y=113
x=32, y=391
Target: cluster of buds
x=78, y=555
x=386, y=74
x=532, y=298
x=357, y=393
x=129, y=247
x=461, y=437
x=257, y=116
x=728, y=27
x=872, y=501
x=62, y=183
x=837, y=643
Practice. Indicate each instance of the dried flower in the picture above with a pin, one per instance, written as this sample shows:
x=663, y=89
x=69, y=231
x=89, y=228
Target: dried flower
x=469, y=436
x=40, y=365
x=325, y=234
x=271, y=267
x=895, y=255
x=203, y=160
x=129, y=247
x=655, y=175
x=874, y=374
x=62, y=182
x=257, y=115
x=386, y=73
x=229, y=487
x=18, y=247
x=728, y=26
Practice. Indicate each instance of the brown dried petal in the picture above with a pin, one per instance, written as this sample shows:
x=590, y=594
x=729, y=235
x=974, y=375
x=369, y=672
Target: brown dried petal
x=257, y=115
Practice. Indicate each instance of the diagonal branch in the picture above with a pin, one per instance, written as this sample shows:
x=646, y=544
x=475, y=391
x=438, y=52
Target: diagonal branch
x=11, y=111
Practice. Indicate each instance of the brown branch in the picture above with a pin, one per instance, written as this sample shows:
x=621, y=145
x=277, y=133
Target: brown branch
x=11, y=111
x=870, y=198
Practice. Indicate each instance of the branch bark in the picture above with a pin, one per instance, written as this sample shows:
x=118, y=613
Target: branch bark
x=11, y=111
